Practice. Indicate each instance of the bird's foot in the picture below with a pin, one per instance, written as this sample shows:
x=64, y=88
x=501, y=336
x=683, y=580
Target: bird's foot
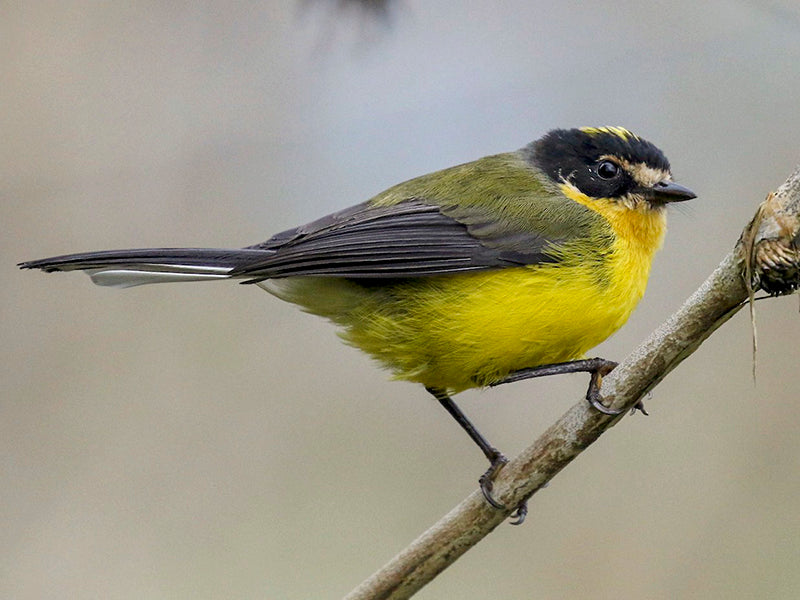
x=596, y=400
x=486, y=481
x=593, y=396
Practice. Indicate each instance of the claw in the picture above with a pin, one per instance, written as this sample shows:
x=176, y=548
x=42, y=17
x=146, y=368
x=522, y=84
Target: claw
x=487, y=483
x=486, y=480
x=520, y=514
x=596, y=400
x=593, y=393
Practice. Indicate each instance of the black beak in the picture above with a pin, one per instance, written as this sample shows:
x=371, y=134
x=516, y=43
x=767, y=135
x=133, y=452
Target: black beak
x=669, y=191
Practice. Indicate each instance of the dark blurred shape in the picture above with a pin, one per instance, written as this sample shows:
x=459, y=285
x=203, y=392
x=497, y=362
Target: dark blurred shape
x=376, y=9
x=354, y=24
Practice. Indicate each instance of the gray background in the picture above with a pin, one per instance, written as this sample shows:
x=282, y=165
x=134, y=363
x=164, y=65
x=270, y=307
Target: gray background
x=209, y=441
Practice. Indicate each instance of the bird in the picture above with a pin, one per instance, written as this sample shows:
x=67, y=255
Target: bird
x=508, y=267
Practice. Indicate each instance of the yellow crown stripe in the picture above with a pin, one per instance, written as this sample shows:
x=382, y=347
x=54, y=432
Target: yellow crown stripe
x=620, y=132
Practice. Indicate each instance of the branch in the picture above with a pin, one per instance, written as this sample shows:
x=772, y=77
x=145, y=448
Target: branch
x=767, y=256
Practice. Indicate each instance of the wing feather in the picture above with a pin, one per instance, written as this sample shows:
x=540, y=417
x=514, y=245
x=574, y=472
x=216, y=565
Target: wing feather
x=409, y=239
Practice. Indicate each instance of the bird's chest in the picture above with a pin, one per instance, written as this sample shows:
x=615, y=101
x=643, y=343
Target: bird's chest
x=559, y=313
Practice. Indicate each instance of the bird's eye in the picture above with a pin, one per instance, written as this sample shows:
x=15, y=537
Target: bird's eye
x=608, y=169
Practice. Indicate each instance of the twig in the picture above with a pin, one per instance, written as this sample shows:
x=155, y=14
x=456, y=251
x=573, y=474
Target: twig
x=765, y=256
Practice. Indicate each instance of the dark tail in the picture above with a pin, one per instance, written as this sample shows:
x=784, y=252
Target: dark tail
x=126, y=268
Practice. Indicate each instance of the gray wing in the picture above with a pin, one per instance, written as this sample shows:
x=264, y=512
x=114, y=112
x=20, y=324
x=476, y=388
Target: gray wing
x=409, y=239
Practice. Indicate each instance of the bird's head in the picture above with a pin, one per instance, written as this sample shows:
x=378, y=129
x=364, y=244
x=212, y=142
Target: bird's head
x=609, y=163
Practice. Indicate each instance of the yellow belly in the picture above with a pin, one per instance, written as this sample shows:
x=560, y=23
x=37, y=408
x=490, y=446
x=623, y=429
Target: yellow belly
x=455, y=332
x=472, y=330
x=463, y=331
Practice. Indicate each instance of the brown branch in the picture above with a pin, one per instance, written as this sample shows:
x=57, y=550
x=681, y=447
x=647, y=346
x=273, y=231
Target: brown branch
x=767, y=252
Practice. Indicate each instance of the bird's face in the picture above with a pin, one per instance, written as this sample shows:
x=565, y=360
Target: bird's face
x=608, y=163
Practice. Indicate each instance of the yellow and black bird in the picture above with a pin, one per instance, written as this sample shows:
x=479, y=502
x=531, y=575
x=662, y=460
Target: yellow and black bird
x=508, y=267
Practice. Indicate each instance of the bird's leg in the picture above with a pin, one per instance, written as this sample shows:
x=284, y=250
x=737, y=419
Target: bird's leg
x=496, y=458
x=598, y=367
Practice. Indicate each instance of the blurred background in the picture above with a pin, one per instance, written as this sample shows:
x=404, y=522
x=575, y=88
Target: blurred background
x=209, y=441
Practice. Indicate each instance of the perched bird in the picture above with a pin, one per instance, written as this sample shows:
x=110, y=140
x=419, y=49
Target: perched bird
x=508, y=267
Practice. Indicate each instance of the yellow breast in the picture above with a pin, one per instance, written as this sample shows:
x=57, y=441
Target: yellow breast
x=469, y=330
x=455, y=332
